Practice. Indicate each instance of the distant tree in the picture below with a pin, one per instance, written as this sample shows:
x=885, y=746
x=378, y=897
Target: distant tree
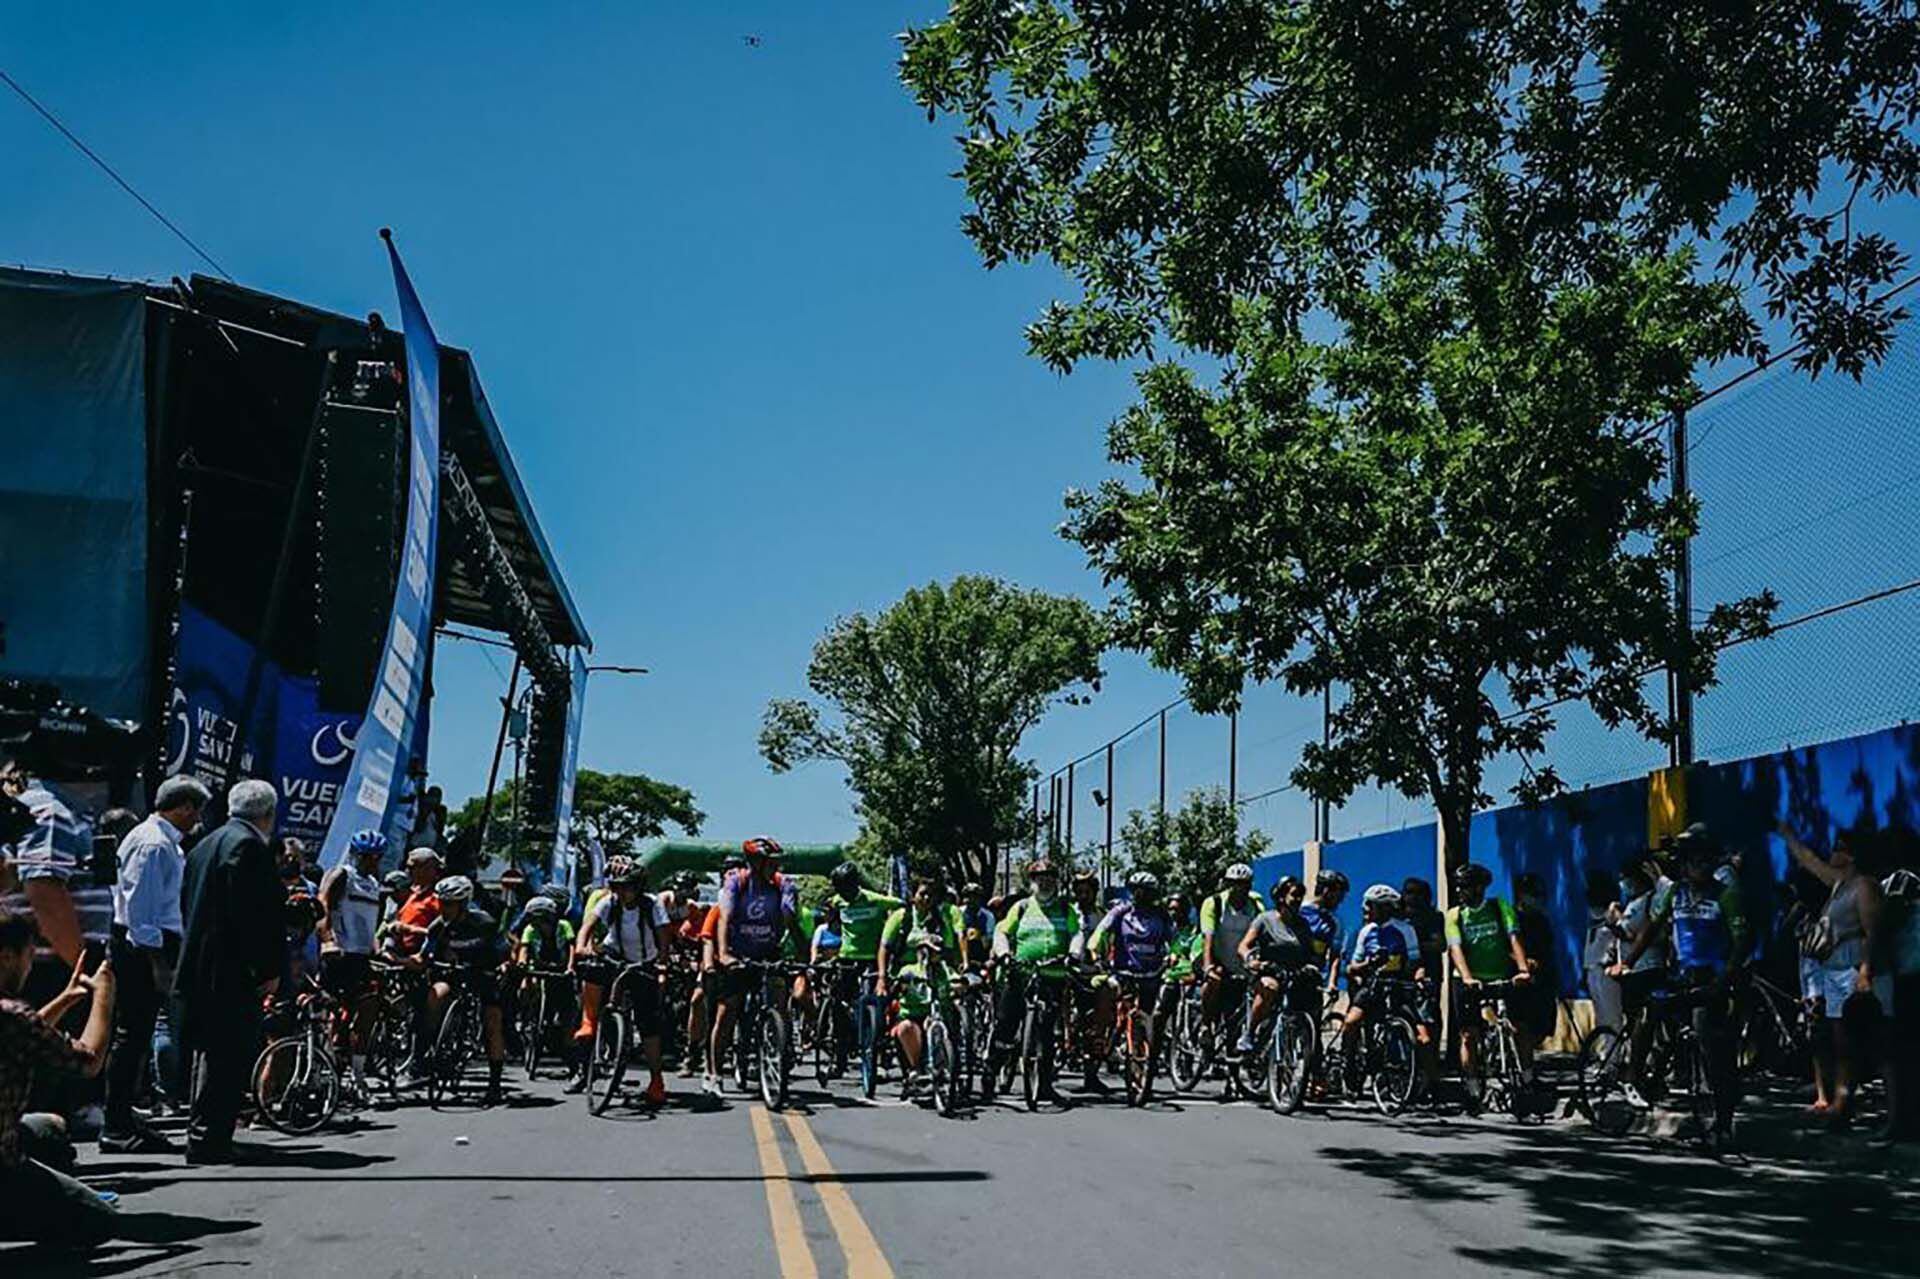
x=926, y=703
x=616, y=809
x=866, y=852
x=1190, y=847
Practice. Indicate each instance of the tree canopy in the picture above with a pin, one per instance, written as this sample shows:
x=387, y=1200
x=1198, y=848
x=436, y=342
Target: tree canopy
x=1190, y=848
x=1453, y=265
x=926, y=703
x=616, y=809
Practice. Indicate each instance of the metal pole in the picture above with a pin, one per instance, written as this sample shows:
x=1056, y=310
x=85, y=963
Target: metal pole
x=1163, y=762
x=499, y=747
x=1679, y=692
x=1036, y=824
x=1069, y=845
x=1323, y=809
x=1233, y=758
x=1106, y=876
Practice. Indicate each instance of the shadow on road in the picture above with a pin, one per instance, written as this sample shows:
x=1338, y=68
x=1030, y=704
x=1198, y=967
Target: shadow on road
x=143, y=1239
x=1627, y=1210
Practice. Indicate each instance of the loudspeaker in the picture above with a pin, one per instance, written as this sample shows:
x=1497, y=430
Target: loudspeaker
x=360, y=514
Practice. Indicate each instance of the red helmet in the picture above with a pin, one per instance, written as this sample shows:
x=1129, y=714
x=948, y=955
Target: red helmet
x=760, y=846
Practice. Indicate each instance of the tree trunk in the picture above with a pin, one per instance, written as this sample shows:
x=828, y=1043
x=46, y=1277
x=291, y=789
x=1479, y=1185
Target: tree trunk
x=1456, y=821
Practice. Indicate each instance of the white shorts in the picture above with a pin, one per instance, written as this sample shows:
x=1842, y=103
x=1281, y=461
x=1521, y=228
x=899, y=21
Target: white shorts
x=1836, y=987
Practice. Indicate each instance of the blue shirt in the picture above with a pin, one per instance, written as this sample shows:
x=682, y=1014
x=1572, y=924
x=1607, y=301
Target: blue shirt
x=146, y=888
x=1322, y=925
x=1383, y=948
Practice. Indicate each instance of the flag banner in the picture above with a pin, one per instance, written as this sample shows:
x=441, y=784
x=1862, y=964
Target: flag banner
x=378, y=792
x=561, y=869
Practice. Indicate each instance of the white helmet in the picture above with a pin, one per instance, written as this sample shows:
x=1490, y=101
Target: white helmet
x=1239, y=873
x=454, y=888
x=542, y=908
x=1382, y=895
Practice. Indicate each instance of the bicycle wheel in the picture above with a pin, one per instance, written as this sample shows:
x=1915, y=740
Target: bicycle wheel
x=296, y=1085
x=1603, y=1064
x=452, y=1049
x=1394, y=1057
x=869, y=1048
x=1290, y=1059
x=607, y=1063
x=774, y=1057
x=386, y=1050
x=1138, y=1062
x=942, y=1067
x=744, y=1035
x=533, y=1025
x=829, y=1042
x=1700, y=1099
x=1333, y=1057
x=1190, y=1050
x=1032, y=1055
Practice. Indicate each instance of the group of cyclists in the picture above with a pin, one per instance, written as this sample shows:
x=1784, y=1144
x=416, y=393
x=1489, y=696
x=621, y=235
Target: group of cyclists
x=1220, y=971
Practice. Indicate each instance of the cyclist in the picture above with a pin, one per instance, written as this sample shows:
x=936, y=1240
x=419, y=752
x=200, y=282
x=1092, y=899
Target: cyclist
x=863, y=917
x=1701, y=921
x=1330, y=888
x=467, y=938
x=755, y=914
x=350, y=913
x=1185, y=951
x=979, y=920
x=395, y=885
x=1036, y=942
x=1224, y=920
x=1134, y=937
x=1384, y=951
x=1278, y=942
x=925, y=920
x=1483, y=941
x=827, y=938
x=546, y=938
x=408, y=927
x=627, y=926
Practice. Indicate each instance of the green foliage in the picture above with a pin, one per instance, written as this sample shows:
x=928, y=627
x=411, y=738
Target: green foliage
x=618, y=809
x=1455, y=264
x=1190, y=847
x=925, y=704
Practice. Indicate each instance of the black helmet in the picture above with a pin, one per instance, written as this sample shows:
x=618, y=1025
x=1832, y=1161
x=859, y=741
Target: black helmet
x=1329, y=881
x=847, y=879
x=1472, y=875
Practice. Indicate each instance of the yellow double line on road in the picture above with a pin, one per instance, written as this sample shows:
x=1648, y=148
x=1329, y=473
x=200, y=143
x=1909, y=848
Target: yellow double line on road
x=857, y=1244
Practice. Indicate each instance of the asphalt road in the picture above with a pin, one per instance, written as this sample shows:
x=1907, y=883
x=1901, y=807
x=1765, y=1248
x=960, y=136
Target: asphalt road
x=839, y=1186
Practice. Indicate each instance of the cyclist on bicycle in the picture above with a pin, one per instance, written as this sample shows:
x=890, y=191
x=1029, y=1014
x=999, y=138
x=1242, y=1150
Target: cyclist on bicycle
x=1278, y=943
x=827, y=937
x=1134, y=937
x=1483, y=941
x=863, y=914
x=395, y=885
x=408, y=927
x=467, y=938
x=926, y=921
x=1702, y=922
x=1330, y=888
x=627, y=927
x=1036, y=942
x=979, y=921
x=756, y=913
x=1384, y=952
x=350, y=913
x=1224, y=920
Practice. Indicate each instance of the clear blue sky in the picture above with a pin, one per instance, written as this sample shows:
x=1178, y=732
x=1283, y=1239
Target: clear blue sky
x=752, y=374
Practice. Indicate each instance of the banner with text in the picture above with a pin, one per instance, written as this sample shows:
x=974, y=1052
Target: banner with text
x=387, y=740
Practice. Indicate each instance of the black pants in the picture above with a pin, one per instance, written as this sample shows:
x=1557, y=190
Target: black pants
x=39, y=1203
x=136, y=1007
x=1013, y=1006
x=223, y=1053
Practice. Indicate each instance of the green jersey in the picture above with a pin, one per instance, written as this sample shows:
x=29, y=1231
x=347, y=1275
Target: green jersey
x=1042, y=935
x=862, y=920
x=537, y=946
x=905, y=926
x=1184, y=954
x=1483, y=933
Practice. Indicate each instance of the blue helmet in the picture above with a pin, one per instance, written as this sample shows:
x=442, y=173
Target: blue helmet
x=368, y=841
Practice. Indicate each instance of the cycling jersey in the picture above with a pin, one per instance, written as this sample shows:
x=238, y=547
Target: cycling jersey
x=1483, y=933
x=1186, y=953
x=549, y=946
x=473, y=939
x=1326, y=930
x=1227, y=924
x=758, y=914
x=690, y=927
x=1281, y=942
x=1041, y=935
x=629, y=932
x=1709, y=930
x=1141, y=938
x=826, y=941
x=906, y=926
x=1383, y=949
x=421, y=909
x=354, y=917
x=862, y=919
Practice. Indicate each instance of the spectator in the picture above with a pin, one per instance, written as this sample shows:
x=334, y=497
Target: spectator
x=1845, y=943
x=146, y=949
x=430, y=819
x=231, y=955
x=1602, y=946
x=47, y=858
x=41, y=1204
x=1429, y=925
x=1538, y=1007
x=1902, y=935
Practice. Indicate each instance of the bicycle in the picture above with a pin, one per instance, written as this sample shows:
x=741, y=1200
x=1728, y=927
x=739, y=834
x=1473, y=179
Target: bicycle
x=1040, y=1034
x=1607, y=1067
x=1137, y=1022
x=1293, y=1053
x=941, y=1059
x=541, y=1012
x=389, y=1044
x=613, y=1037
x=1386, y=1064
x=296, y=1078
x=763, y=1041
x=1773, y=1036
x=458, y=1039
x=1497, y=1065
x=834, y=1036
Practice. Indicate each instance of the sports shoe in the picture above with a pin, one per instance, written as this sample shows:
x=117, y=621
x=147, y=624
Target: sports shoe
x=657, y=1092
x=141, y=1141
x=711, y=1086
x=1244, y=1044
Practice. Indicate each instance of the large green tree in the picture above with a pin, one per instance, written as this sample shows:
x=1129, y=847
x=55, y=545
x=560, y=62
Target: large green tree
x=1190, y=847
x=1451, y=265
x=616, y=809
x=925, y=704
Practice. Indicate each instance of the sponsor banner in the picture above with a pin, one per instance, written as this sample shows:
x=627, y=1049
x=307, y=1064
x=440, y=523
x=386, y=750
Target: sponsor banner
x=293, y=742
x=561, y=867
x=377, y=786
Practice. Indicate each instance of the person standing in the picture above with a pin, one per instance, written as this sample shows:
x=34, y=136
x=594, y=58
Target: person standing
x=229, y=958
x=146, y=948
x=50, y=855
x=1846, y=945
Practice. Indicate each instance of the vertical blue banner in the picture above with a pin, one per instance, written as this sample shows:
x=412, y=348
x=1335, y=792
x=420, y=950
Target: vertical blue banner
x=560, y=869
x=383, y=749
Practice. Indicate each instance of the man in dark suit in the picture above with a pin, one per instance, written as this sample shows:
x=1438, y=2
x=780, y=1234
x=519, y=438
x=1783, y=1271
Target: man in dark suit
x=231, y=905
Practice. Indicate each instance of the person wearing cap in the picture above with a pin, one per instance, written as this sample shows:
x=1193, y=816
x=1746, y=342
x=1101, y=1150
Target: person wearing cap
x=422, y=905
x=756, y=912
x=1041, y=936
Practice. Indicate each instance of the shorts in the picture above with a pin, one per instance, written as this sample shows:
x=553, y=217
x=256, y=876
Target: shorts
x=345, y=976
x=642, y=997
x=1637, y=988
x=1375, y=997
x=1835, y=987
x=731, y=983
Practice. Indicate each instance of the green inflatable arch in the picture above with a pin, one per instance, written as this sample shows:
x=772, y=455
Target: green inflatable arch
x=705, y=856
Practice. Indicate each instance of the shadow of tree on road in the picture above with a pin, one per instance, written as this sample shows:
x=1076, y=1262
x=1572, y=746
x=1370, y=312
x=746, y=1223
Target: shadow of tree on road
x=1625, y=1210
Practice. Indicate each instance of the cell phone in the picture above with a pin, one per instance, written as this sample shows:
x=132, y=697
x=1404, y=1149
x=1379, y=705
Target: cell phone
x=105, y=863
x=96, y=953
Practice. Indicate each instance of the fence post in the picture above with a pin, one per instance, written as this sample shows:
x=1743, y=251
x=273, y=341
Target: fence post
x=1163, y=761
x=1069, y=843
x=1233, y=764
x=1036, y=821
x=1679, y=693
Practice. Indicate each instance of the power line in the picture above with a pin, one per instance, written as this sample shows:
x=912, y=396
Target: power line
x=108, y=169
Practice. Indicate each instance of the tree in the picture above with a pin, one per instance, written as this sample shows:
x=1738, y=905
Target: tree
x=616, y=809
x=1455, y=264
x=1190, y=847
x=926, y=704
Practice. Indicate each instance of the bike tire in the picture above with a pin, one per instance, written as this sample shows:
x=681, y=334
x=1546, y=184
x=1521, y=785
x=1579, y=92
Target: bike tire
x=942, y=1069
x=773, y=1049
x=829, y=1044
x=1600, y=1072
x=1332, y=1056
x=1188, y=1056
x=534, y=1035
x=1032, y=1056
x=744, y=1035
x=1138, y=1063
x=1290, y=1059
x=307, y=1091
x=452, y=1050
x=1394, y=1061
x=869, y=1048
x=607, y=1062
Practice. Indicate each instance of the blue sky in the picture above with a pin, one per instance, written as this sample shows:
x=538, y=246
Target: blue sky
x=752, y=374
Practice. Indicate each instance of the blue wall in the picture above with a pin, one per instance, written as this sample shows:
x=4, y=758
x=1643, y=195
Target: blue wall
x=1387, y=858
x=1268, y=870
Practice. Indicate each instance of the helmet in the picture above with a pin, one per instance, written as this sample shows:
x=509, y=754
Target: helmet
x=622, y=870
x=1694, y=844
x=368, y=843
x=972, y=888
x=557, y=893
x=1902, y=885
x=454, y=888
x=396, y=881
x=1288, y=884
x=733, y=861
x=1143, y=879
x=760, y=846
x=1041, y=868
x=1472, y=875
x=1087, y=876
x=686, y=882
x=1239, y=873
x=1382, y=897
x=1330, y=881
x=542, y=908
x=846, y=878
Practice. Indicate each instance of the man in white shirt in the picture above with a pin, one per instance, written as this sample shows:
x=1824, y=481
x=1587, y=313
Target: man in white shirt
x=146, y=945
x=627, y=926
